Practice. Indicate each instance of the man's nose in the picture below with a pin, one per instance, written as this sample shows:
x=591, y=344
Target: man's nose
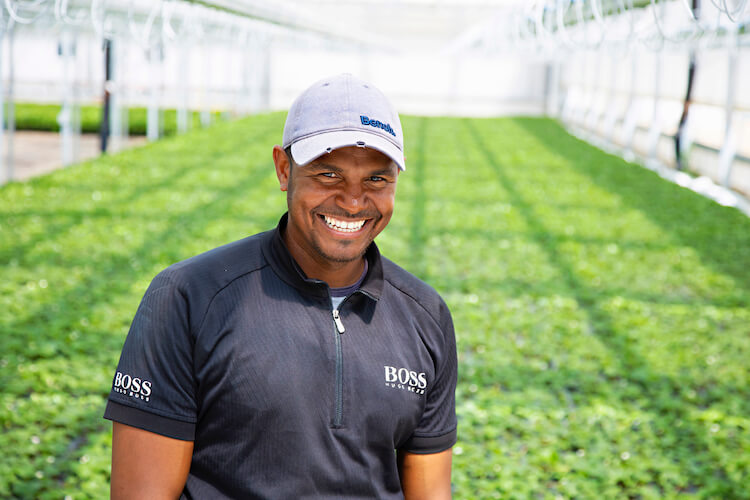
x=352, y=197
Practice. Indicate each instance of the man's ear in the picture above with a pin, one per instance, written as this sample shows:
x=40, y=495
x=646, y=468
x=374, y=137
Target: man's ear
x=283, y=167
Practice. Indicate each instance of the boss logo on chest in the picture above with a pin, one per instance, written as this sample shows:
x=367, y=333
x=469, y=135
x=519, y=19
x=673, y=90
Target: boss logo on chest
x=405, y=379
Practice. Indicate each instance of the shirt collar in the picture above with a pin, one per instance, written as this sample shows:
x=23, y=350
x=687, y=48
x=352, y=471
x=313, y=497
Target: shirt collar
x=283, y=264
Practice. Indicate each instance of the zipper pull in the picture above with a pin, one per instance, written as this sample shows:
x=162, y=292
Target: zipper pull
x=337, y=320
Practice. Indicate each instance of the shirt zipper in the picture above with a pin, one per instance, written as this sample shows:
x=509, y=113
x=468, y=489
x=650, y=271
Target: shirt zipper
x=337, y=321
x=339, y=387
x=338, y=416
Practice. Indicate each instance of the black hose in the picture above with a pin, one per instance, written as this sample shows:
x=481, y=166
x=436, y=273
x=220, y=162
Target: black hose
x=688, y=97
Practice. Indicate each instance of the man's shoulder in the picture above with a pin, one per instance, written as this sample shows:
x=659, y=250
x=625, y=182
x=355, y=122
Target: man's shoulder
x=413, y=287
x=219, y=266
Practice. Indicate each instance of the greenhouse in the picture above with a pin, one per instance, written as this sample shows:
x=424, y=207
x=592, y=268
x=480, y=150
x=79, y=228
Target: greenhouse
x=576, y=189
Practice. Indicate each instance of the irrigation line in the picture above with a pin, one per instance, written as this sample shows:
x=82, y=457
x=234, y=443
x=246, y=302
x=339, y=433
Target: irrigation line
x=647, y=21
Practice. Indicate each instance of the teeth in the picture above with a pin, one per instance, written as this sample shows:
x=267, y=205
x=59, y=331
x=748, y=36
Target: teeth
x=343, y=226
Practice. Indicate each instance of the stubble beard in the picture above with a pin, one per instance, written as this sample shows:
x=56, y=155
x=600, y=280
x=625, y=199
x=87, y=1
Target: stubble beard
x=339, y=259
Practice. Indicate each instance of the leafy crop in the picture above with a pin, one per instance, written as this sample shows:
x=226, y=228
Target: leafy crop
x=44, y=117
x=602, y=314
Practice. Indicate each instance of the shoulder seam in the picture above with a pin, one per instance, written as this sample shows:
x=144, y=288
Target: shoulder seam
x=218, y=291
x=412, y=297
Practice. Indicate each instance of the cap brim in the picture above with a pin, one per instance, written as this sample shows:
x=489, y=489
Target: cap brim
x=306, y=150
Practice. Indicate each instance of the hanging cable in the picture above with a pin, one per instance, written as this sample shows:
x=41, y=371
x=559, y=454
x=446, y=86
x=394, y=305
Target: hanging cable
x=166, y=22
x=61, y=14
x=143, y=37
x=587, y=26
x=16, y=17
x=560, y=18
x=626, y=7
x=596, y=9
x=734, y=15
x=660, y=27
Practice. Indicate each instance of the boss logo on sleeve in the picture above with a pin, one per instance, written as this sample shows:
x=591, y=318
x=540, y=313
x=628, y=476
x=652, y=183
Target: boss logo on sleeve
x=405, y=379
x=135, y=387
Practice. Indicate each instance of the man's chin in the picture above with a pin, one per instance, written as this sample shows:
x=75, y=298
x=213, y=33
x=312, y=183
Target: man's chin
x=342, y=255
x=342, y=258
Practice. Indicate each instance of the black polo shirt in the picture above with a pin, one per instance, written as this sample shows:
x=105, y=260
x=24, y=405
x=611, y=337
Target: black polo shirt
x=237, y=351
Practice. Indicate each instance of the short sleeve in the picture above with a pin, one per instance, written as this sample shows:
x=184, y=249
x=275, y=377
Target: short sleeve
x=153, y=387
x=436, y=431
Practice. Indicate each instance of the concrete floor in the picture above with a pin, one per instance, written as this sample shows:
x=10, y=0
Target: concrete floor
x=38, y=153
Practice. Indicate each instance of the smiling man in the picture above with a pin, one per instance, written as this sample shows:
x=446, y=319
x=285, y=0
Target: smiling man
x=299, y=362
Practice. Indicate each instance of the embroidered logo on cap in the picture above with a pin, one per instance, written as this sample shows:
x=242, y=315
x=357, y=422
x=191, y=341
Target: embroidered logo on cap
x=377, y=124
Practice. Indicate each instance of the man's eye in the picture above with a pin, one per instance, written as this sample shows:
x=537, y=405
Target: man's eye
x=328, y=174
x=377, y=178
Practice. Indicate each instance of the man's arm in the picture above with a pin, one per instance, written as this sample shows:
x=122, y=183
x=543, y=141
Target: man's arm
x=147, y=465
x=425, y=477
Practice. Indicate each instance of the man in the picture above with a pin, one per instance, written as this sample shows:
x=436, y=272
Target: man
x=296, y=363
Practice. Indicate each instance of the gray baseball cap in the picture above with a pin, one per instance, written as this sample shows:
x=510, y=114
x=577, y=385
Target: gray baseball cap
x=342, y=111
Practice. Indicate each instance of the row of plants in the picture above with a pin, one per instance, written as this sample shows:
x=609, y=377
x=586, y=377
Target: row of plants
x=45, y=117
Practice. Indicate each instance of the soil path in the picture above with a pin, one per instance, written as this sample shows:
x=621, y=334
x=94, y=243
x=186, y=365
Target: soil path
x=38, y=153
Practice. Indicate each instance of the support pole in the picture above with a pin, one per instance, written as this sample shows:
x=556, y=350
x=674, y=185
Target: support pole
x=104, y=123
x=265, y=65
x=229, y=101
x=246, y=106
x=65, y=118
x=631, y=115
x=4, y=165
x=588, y=88
x=654, y=133
x=121, y=117
x=729, y=148
x=610, y=116
x=11, y=107
x=183, y=124
x=152, y=114
x=115, y=95
x=255, y=70
x=593, y=116
x=205, y=113
x=553, y=88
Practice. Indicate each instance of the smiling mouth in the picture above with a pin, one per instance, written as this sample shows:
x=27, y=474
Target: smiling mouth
x=343, y=226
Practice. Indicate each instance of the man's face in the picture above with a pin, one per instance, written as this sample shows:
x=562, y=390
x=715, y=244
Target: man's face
x=338, y=203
